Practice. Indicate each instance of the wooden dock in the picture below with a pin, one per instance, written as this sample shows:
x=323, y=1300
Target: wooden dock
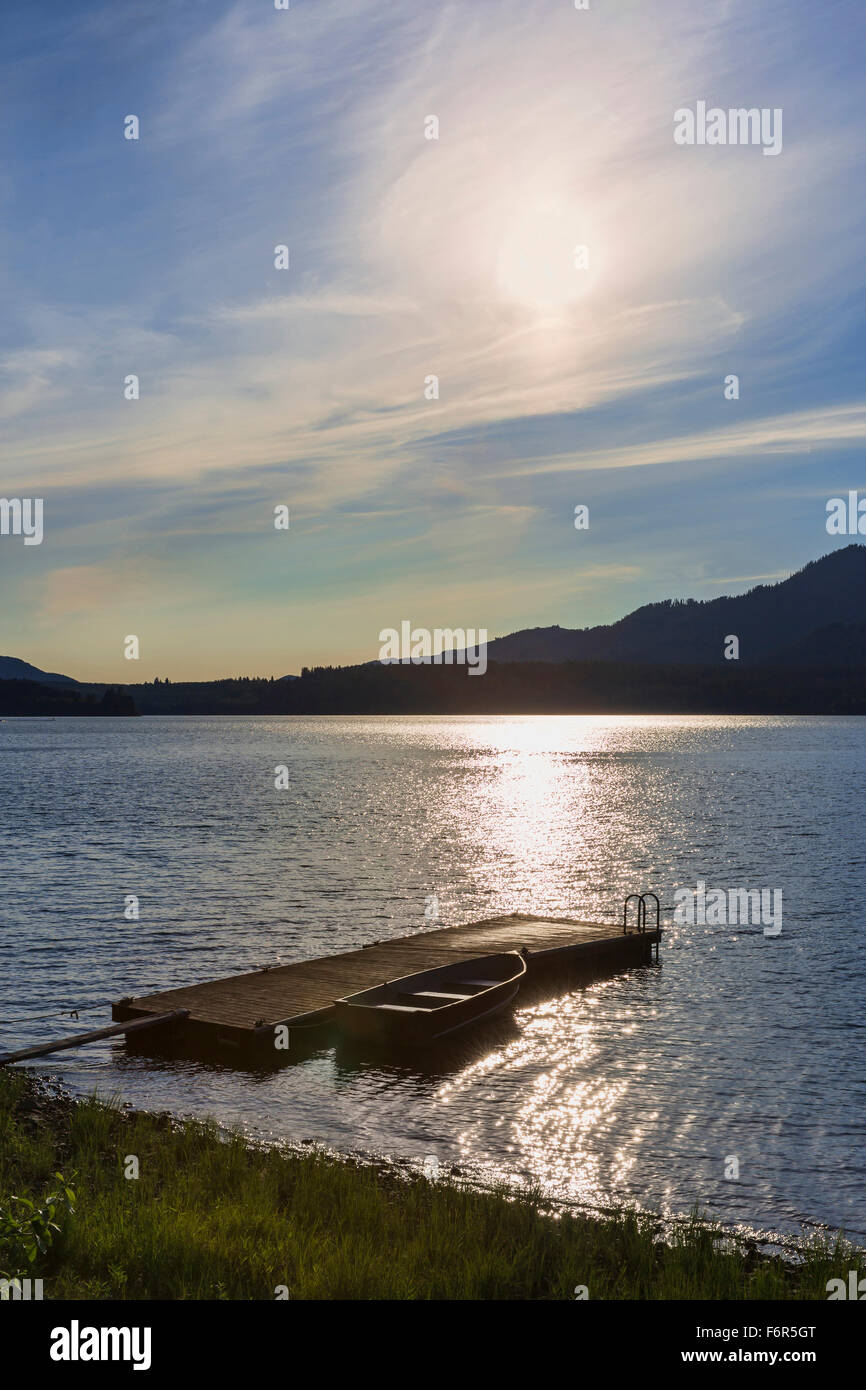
x=242, y=1012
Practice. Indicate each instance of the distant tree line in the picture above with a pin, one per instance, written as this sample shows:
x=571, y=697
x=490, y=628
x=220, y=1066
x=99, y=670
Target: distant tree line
x=532, y=687
x=33, y=697
x=598, y=687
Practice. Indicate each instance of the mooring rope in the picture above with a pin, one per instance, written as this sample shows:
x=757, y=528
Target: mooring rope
x=58, y=1013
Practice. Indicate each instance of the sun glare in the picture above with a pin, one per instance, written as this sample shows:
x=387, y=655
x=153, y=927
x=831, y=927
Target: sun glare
x=543, y=262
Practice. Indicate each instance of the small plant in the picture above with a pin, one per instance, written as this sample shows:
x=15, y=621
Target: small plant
x=28, y=1231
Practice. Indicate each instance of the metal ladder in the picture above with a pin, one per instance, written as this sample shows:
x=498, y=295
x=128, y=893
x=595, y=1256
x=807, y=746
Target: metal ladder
x=642, y=916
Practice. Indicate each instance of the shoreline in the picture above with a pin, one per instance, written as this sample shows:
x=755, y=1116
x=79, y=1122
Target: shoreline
x=204, y=1213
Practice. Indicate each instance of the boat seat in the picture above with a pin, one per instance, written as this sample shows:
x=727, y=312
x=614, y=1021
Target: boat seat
x=485, y=984
x=400, y=1008
x=438, y=994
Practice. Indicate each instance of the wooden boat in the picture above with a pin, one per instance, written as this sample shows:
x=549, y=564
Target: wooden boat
x=418, y=1009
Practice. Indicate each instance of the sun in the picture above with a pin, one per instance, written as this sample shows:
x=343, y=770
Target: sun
x=545, y=261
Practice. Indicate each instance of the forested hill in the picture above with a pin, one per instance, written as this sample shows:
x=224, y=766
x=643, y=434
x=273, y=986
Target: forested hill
x=800, y=621
x=20, y=697
x=521, y=688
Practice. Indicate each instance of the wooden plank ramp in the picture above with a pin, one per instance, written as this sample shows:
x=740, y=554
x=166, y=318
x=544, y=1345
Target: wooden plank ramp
x=25, y=1054
x=243, y=1010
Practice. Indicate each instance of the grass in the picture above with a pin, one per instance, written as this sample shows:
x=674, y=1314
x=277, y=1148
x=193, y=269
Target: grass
x=209, y=1217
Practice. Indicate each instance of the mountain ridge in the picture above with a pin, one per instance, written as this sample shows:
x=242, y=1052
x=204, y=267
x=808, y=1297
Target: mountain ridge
x=12, y=668
x=773, y=622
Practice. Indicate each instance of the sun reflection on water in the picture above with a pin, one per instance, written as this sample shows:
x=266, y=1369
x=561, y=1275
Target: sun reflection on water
x=558, y=1107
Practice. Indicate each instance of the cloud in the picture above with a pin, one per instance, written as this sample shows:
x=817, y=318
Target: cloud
x=27, y=377
x=451, y=257
x=77, y=589
x=798, y=432
x=122, y=584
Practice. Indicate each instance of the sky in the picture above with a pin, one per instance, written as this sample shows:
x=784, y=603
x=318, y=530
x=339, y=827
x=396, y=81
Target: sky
x=565, y=377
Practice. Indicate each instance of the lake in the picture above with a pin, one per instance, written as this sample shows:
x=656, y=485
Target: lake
x=644, y=1086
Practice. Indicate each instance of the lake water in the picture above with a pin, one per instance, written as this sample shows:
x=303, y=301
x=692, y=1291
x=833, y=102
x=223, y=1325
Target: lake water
x=643, y=1086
